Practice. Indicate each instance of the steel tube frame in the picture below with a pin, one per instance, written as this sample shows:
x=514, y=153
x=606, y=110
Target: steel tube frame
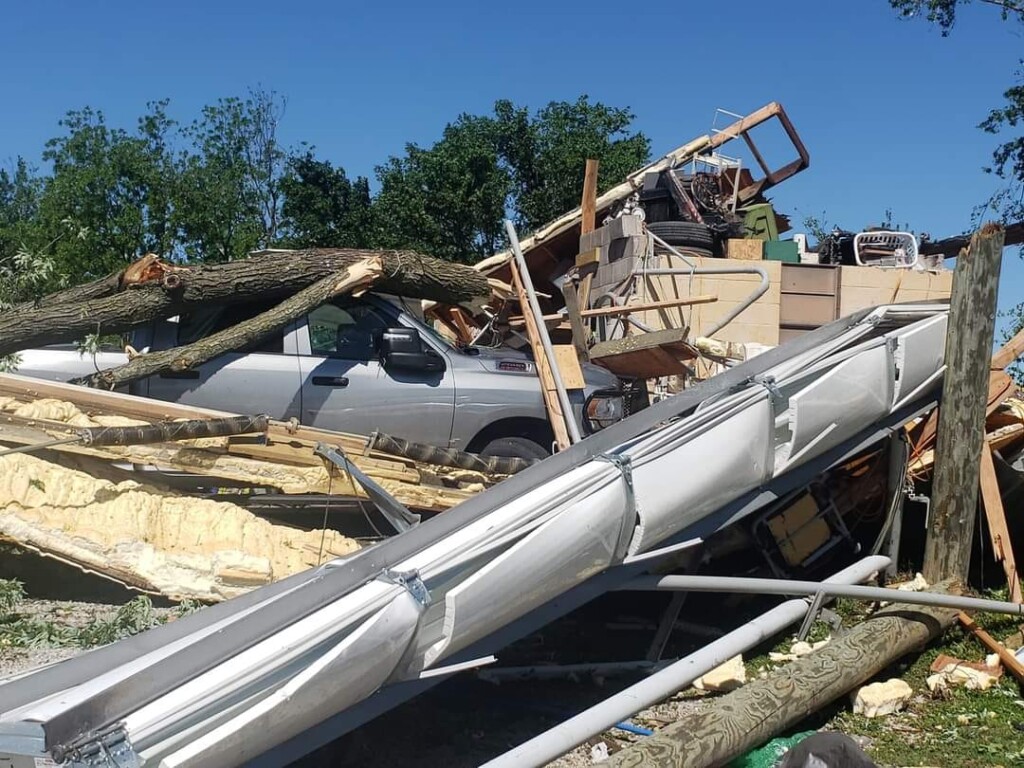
x=734, y=584
x=735, y=311
x=555, y=742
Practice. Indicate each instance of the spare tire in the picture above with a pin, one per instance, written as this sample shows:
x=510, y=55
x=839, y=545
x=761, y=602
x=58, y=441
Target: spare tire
x=683, y=233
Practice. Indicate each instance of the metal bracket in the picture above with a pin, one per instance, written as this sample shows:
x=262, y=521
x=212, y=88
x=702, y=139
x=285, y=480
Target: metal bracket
x=411, y=581
x=397, y=514
x=812, y=616
x=111, y=750
x=769, y=383
x=624, y=464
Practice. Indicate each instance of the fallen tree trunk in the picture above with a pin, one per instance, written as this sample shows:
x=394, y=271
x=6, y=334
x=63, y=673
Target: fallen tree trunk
x=358, y=276
x=147, y=268
x=270, y=275
x=755, y=713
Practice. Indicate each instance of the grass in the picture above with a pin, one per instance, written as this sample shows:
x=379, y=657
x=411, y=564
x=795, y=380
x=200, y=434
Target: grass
x=22, y=631
x=960, y=728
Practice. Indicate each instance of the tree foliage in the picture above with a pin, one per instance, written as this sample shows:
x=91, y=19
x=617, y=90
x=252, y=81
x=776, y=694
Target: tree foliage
x=224, y=184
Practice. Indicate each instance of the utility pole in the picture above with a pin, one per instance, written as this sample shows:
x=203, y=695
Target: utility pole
x=961, y=431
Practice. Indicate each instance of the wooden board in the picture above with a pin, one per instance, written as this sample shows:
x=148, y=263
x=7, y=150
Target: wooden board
x=1002, y=545
x=646, y=355
x=569, y=366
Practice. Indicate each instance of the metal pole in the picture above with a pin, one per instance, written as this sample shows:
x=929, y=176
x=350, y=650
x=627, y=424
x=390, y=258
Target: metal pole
x=786, y=587
x=542, y=331
x=735, y=311
x=555, y=742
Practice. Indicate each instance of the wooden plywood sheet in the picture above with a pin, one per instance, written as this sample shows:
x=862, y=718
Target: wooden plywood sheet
x=568, y=363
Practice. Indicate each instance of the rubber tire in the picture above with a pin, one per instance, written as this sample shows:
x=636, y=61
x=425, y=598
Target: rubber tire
x=518, y=447
x=683, y=233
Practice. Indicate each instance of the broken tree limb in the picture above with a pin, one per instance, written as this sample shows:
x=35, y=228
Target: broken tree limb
x=750, y=716
x=354, y=278
x=269, y=275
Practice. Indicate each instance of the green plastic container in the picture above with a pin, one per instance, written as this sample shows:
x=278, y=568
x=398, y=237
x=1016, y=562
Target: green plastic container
x=782, y=250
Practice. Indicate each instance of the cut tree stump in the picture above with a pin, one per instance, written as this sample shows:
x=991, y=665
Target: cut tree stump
x=352, y=279
x=268, y=275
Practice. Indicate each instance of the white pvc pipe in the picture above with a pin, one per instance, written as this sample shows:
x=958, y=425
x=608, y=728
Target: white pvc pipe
x=786, y=587
x=555, y=742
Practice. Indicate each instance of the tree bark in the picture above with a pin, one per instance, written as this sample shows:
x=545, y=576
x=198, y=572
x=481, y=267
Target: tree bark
x=144, y=269
x=750, y=716
x=271, y=275
x=358, y=276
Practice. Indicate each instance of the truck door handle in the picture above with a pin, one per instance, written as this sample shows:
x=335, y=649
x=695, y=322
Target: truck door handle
x=330, y=381
x=179, y=375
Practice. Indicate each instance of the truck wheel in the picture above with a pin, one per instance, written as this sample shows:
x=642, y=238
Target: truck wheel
x=519, y=447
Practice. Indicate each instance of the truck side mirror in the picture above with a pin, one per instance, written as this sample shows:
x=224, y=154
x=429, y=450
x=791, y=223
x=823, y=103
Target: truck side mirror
x=402, y=349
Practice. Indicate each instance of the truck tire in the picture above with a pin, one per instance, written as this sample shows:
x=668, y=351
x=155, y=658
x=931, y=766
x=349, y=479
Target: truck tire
x=519, y=447
x=683, y=233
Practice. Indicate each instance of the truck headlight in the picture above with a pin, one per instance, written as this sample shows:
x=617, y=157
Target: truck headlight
x=603, y=409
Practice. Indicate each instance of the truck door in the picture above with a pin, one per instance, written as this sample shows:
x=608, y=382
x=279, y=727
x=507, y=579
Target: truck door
x=345, y=388
x=262, y=379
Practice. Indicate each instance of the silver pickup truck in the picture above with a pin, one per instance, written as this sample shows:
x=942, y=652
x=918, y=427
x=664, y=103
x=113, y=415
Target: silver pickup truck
x=358, y=365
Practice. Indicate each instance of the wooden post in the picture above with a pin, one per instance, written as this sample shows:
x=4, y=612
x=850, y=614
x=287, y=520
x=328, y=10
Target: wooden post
x=961, y=429
x=540, y=359
x=750, y=716
x=588, y=221
x=580, y=335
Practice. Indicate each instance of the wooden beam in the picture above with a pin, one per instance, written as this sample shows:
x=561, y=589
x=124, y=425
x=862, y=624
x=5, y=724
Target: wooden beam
x=743, y=719
x=588, y=221
x=1013, y=666
x=547, y=382
x=628, y=309
x=580, y=335
x=961, y=429
x=999, y=532
x=1009, y=352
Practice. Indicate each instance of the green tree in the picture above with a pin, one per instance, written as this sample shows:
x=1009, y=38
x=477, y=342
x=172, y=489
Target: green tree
x=546, y=155
x=323, y=207
x=448, y=200
x=1005, y=121
x=109, y=185
x=228, y=197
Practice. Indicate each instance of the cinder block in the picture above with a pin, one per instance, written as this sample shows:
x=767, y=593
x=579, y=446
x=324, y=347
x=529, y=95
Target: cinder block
x=632, y=247
x=624, y=226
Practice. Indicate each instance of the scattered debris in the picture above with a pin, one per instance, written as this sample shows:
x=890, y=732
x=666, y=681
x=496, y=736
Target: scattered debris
x=972, y=675
x=798, y=649
x=879, y=699
x=727, y=677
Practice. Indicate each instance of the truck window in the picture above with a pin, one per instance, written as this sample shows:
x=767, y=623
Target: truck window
x=345, y=328
x=208, y=320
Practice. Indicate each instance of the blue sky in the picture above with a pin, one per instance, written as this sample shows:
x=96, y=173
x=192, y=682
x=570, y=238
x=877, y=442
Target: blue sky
x=887, y=108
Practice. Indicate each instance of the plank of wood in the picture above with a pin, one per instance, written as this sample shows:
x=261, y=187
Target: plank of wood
x=580, y=335
x=998, y=530
x=569, y=366
x=588, y=221
x=646, y=355
x=1009, y=352
x=547, y=382
x=1013, y=666
x=1000, y=388
x=628, y=309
